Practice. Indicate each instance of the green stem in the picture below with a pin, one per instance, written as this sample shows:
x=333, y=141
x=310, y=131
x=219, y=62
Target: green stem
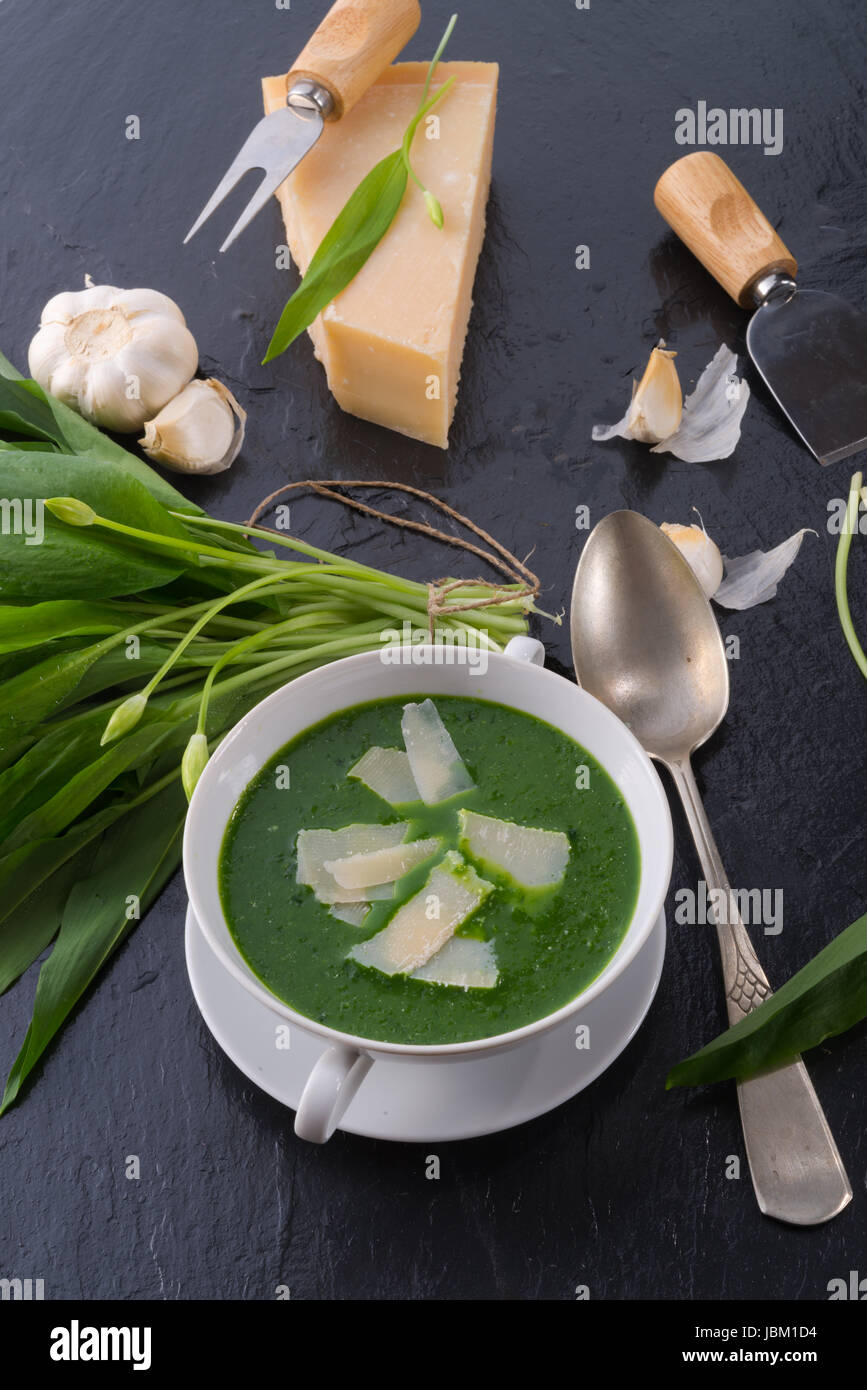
x=290, y=542
x=413, y=127
x=237, y=595
x=230, y=558
x=248, y=644
x=326, y=650
x=424, y=105
x=350, y=568
x=850, y=526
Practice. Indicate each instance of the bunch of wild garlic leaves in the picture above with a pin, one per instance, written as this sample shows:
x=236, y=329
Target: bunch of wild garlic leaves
x=134, y=632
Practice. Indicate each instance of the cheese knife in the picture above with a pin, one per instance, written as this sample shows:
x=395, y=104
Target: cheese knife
x=810, y=347
x=353, y=45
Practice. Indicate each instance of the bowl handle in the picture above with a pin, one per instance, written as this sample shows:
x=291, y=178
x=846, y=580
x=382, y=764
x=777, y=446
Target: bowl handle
x=330, y=1087
x=526, y=649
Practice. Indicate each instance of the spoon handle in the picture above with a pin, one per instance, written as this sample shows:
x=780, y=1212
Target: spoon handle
x=797, y=1172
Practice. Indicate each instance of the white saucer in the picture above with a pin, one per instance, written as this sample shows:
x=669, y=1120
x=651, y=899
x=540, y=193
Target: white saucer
x=445, y=1100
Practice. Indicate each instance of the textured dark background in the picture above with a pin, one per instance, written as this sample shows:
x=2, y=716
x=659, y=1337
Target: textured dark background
x=623, y=1189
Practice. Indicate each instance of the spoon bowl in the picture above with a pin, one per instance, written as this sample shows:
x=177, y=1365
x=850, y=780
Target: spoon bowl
x=644, y=638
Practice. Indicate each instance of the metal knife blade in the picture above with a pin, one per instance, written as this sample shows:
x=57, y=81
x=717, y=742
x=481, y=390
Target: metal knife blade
x=811, y=350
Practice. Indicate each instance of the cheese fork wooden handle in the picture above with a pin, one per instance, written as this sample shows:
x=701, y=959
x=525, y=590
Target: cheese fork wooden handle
x=355, y=42
x=713, y=213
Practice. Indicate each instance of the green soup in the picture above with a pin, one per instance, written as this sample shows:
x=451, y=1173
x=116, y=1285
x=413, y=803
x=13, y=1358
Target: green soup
x=549, y=943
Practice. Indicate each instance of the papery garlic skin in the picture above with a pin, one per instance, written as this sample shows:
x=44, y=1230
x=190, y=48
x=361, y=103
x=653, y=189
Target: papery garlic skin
x=712, y=413
x=200, y=431
x=656, y=406
x=754, y=578
x=700, y=552
x=116, y=356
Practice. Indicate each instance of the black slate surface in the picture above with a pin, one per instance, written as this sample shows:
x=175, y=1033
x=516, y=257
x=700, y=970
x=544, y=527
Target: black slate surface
x=624, y=1188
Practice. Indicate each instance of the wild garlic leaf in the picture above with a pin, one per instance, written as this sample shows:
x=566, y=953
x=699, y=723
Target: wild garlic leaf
x=23, y=871
x=41, y=557
x=35, y=415
x=36, y=693
x=9, y=370
x=46, y=767
x=823, y=999
x=29, y=929
x=89, y=782
x=28, y=413
x=136, y=857
x=352, y=237
x=30, y=624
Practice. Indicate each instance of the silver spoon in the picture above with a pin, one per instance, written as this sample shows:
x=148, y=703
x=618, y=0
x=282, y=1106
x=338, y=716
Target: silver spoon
x=645, y=642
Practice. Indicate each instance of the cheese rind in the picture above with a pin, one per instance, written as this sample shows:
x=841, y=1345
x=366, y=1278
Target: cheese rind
x=392, y=341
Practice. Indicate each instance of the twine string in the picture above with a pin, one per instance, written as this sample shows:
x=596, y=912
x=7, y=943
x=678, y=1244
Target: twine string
x=524, y=583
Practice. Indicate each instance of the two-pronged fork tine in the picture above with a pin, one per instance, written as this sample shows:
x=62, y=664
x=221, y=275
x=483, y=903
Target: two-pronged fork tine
x=275, y=145
x=355, y=42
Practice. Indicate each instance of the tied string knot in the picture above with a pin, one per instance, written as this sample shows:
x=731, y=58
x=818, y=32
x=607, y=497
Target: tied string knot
x=524, y=585
x=497, y=593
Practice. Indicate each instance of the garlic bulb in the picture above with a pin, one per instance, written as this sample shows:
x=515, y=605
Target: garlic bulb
x=200, y=431
x=656, y=406
x=115, y=356
x=700, y=552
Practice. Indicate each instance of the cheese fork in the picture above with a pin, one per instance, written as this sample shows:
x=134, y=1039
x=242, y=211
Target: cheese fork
x=353, y=45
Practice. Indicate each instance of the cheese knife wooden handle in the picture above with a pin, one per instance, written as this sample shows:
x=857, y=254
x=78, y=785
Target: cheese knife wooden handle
x=355, y=42
x=714, y=215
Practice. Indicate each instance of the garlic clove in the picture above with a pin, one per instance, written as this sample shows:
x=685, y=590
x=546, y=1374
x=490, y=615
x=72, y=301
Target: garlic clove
x=65, y=307
x=200, y=431
x=134, y=303
x=657, y=403
x=156, y=365
x=68, y=381
x=700, y=552
x=47, y=350
x=109, y=397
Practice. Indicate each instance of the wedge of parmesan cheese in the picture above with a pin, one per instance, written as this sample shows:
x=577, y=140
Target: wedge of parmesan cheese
x=425, y=922
x=437, y=766
x=533, y=858
x=380, y=865
x=462, y=961
x=353, y=914
x=392, y=341
x=314, y=847
x=386, y=771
